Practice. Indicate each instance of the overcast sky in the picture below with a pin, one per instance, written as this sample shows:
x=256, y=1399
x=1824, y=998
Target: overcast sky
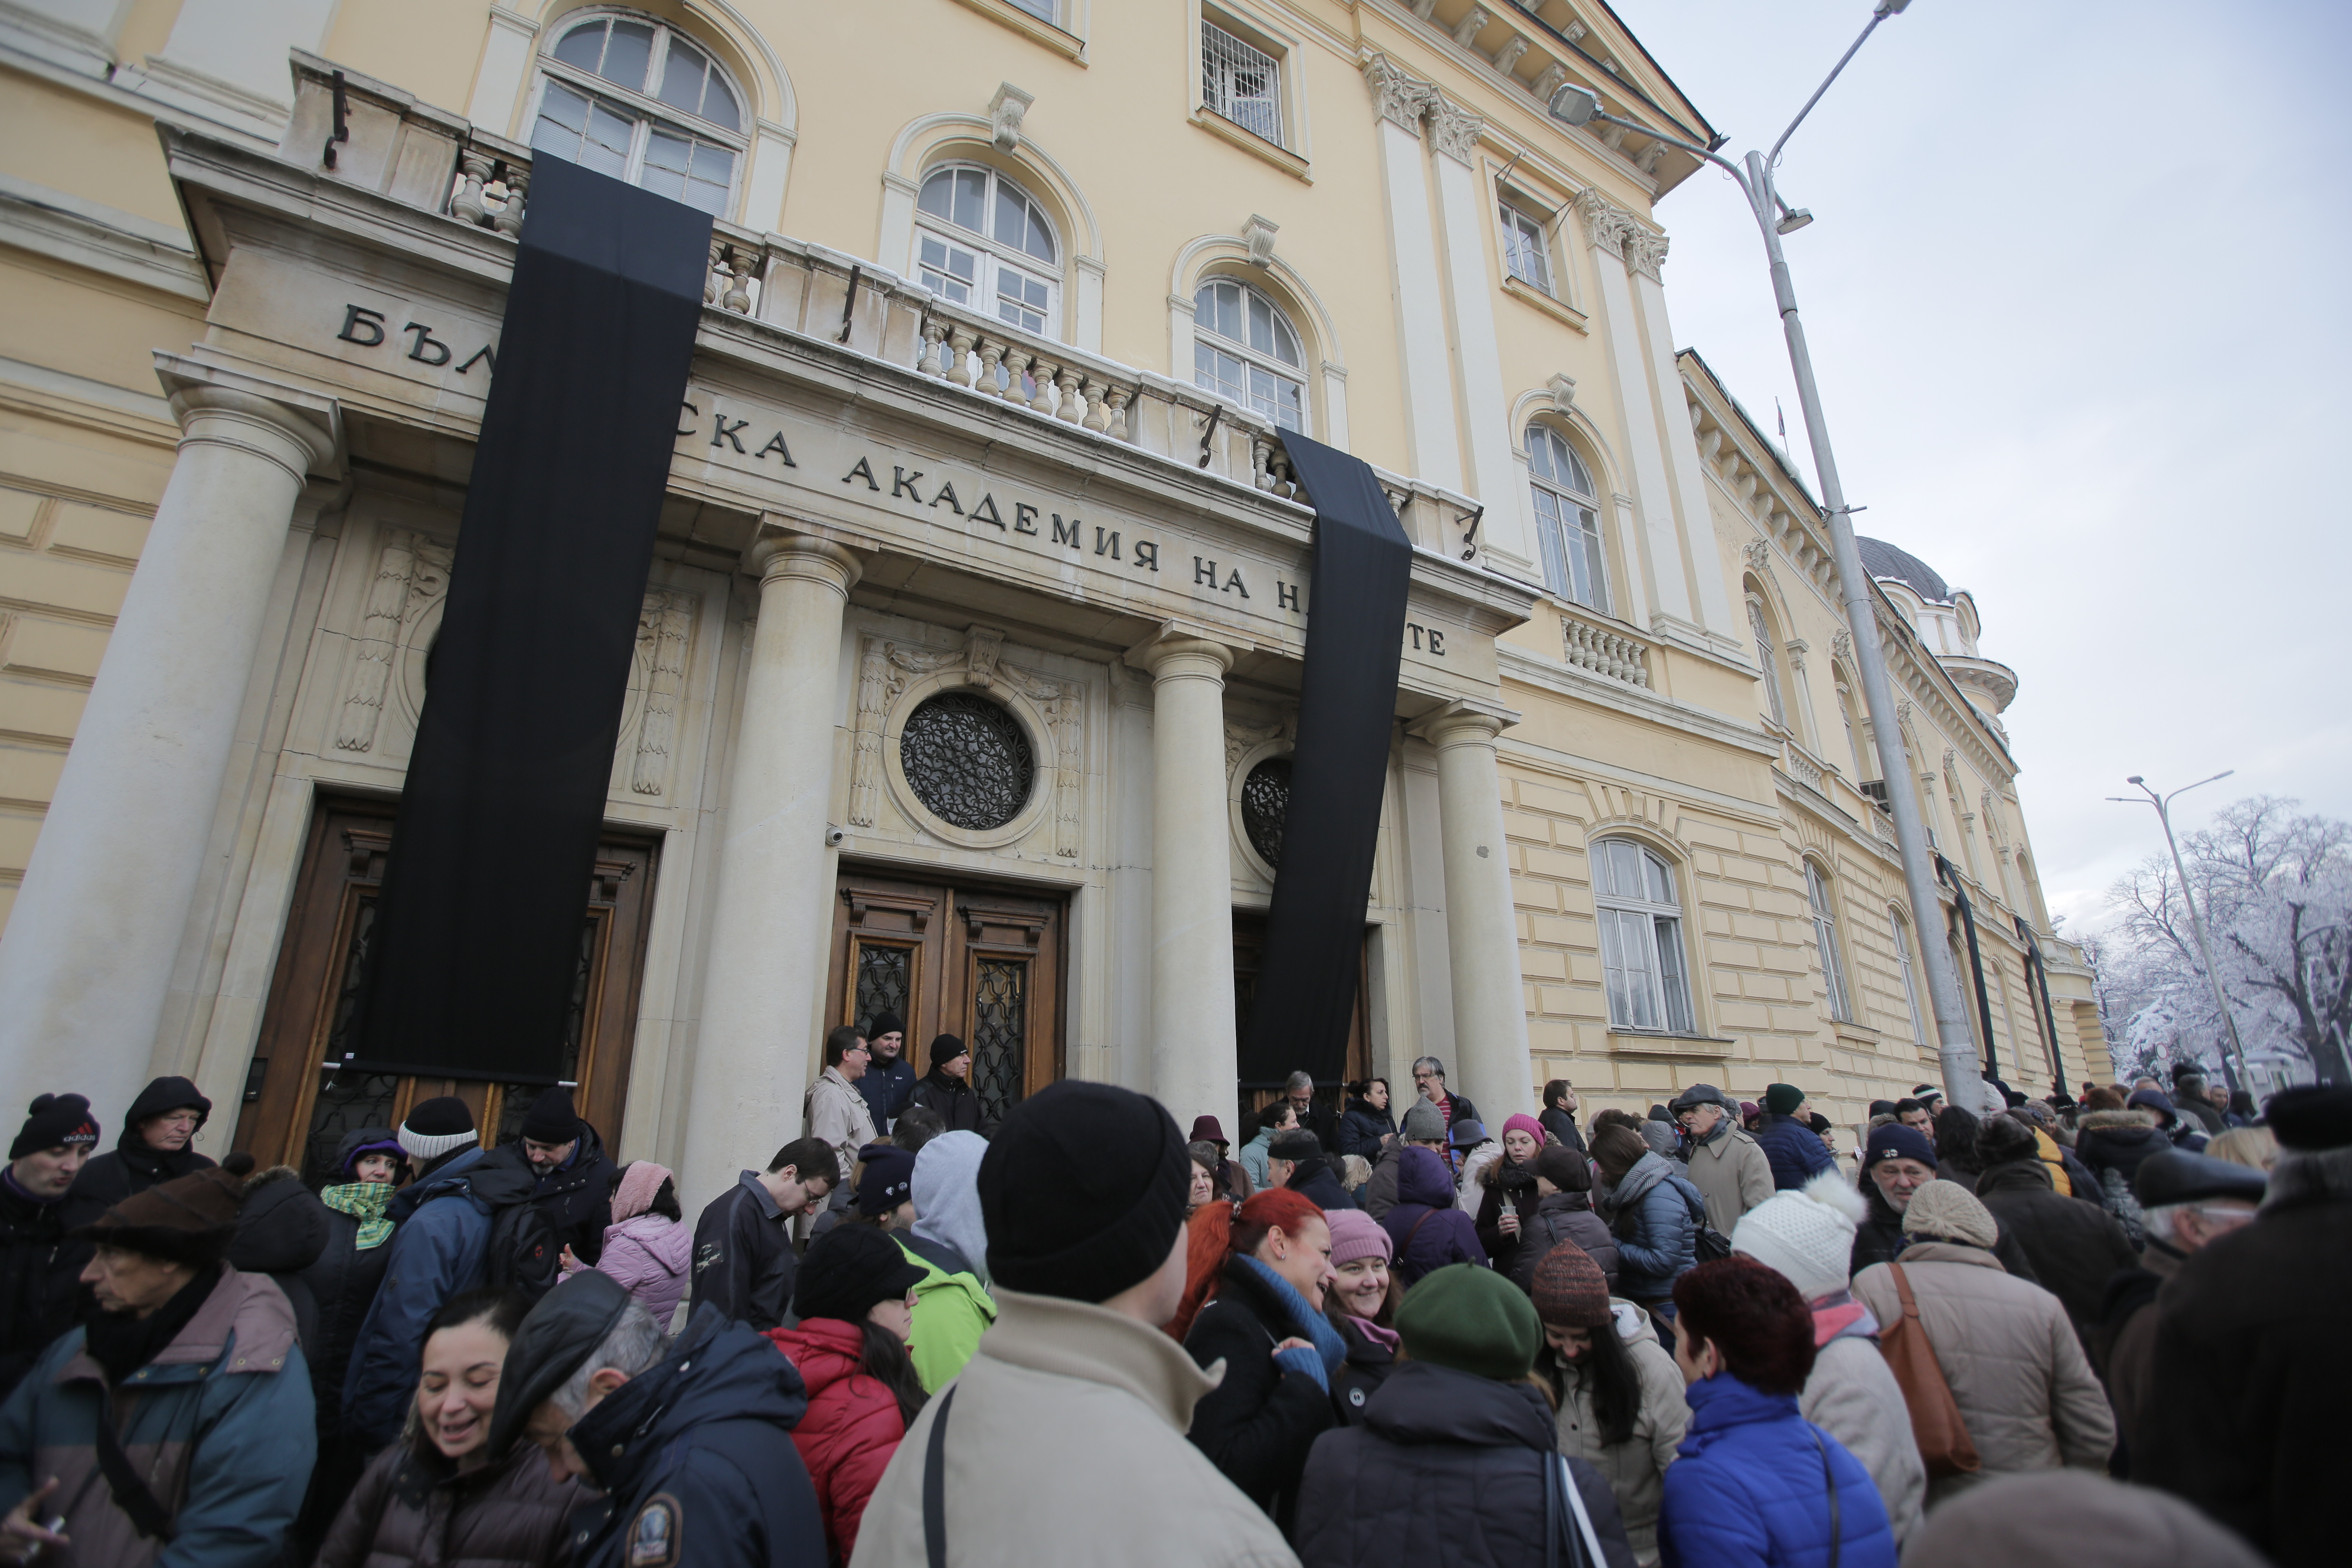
x=2077, y=301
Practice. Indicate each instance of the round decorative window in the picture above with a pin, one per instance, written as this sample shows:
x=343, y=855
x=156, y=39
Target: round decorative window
x=1266, y=801
x=966, y=759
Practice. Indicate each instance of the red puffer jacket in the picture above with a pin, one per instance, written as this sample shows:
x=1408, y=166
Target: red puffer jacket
x=852, y=1427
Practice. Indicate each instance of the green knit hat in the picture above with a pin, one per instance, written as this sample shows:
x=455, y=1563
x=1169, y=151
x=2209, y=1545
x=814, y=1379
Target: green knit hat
x=1782, y=1098
x=1472, y=1320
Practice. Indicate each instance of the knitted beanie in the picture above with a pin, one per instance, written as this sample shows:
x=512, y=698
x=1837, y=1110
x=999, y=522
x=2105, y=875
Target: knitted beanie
x=1947, y=1211
x=1564, y=1168
x=1806, y=1236
x=1782, y=1098
x=1571, y=1291
x=945, y=1048
x=1355, y=1234
x=848, y=1269
x=885, y=1178
x=1896, y=1142
x=1469, y=1318
x=885, y=1024
x=552, y=1119
x=437, y=1126
x=1082, y=1191
x=1526, y=1124
x=55, y=1122
x=1425, y=1123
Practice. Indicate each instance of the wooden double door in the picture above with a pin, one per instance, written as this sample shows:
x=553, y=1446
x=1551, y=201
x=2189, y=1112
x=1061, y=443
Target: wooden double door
x=982, y=963
x=300, y=1102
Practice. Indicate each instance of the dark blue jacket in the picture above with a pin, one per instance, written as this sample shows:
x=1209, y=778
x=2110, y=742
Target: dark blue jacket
x=1749, y=1489
x=1361, y=1129
x=696, y=1462
x=1795, y=1150
x=441, y=1231
x=887, y=1088
x=1656, y=1217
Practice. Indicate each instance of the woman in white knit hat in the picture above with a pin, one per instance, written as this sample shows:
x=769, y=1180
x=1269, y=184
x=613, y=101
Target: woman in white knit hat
x=1807, y=1236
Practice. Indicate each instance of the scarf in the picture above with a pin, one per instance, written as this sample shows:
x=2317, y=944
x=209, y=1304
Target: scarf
x=1840, y=1317
x=122, y=1344
x=1330, y=1349
x=364, y=1202
x=1387, y=1339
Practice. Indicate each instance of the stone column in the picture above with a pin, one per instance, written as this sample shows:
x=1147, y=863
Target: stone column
x=1490, y=1020
x=92, y=939
x=1432, y=440
x=771, y=922
x=1193, y=1044
x=1645, y=254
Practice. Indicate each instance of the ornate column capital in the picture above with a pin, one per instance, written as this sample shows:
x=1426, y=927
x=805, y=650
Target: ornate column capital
x=1607, y=225
x=1397, y=98
x=1453, y=131
x=1645, y=252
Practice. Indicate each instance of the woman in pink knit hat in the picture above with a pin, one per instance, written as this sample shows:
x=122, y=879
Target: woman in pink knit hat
x=1510, y=1190
x=1362, y=1306
x=646, y=1248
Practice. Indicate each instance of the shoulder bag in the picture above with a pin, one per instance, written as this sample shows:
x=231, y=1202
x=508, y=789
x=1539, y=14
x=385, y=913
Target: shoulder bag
x=1935, y=1423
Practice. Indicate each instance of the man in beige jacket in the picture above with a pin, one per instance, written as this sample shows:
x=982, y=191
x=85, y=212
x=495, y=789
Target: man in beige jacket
x=2025, y=1390
x=1061, y=1444
x=1727, y=1166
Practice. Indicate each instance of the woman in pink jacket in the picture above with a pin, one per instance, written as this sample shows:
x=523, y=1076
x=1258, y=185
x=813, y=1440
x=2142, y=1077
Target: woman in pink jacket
x=647, y=1247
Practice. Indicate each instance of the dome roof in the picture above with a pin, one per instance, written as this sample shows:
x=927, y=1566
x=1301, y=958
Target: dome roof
x=1881, y=559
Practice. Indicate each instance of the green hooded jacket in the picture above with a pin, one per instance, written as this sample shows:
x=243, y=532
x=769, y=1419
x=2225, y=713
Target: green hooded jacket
x=951, y=1311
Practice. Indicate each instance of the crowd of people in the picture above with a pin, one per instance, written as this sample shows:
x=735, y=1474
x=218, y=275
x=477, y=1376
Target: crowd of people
x=2071, y=1330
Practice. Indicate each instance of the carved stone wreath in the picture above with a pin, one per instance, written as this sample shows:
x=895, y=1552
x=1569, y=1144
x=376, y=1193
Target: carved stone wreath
x=967, y=761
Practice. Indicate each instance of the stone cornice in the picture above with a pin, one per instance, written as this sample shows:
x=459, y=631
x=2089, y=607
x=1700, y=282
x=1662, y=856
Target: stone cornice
x=1565, y=680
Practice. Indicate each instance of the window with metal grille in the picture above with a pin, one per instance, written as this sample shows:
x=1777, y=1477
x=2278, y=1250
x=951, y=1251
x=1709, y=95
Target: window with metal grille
x=1642, y=962
x=626, y=96
x=1241, y=82
x=1568, y=523
x=999, y=1034
x=982, y=241
x=1817, y=894
x=1245, y=350
x=1524, y=250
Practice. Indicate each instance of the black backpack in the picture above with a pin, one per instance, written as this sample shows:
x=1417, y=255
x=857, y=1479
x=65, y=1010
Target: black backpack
x=523, y=1253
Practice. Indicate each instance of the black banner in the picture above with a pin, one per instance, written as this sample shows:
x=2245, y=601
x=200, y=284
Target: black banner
x=471, y=962
x=1306, y=978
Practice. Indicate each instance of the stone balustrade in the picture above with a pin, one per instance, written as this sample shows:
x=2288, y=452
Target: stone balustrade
x=1803, y=768
x=1599, y=647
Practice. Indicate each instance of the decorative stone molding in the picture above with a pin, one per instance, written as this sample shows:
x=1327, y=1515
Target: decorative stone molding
x=1453, y=131
x=412, y=574
x=1797, y=648
x=1242, y=739
x=1258, y=235
x=1645, y=252
x=1509, y=55
x=665, y=631
x=1554, y=77
x=1466, y=31
x=1006, y=113
x=1842, y=646
x=1606, y=225
x=1757, y=554
x=1562, y=388
x=1397, y=98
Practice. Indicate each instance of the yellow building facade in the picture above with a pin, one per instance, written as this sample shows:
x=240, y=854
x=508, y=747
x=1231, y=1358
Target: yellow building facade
x=1074, y=274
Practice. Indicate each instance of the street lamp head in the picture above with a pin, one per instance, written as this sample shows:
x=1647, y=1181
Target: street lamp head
x=1792, y=219
x=1891, y=7
x=1574, y=105
x=2133, y=780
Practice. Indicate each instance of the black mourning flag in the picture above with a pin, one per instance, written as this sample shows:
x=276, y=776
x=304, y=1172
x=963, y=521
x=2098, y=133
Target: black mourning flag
x=477, y=939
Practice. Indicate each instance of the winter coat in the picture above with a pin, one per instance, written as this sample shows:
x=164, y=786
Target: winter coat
x=852, y=1427
x=2124, y=1350
x=1066, y=1448
x=887, y=1087
x=342, y=1282
x=439, y=1244
x=1562, y=1218
x=838, y=1116
x=1880, y=1239
x=577, y=1196
x=2118, y=1140
x=1562, y=1125
x=1498, y=1181
x=1427, y=1230
x=2025, y=1390
x=413, y=1508
x=1368, y=1366
x=1852, y=1394
x=743, y=1257
x=1361, y=1128
x=953, y=1310
x=2074, y=1248
x=1256, y=1424
x=1656, y=1217
x=1380, y=1193
x=954, y=1099
x=2247, y=1421
x=1635, y=1468
x=1752, y=1487
x=39, y=1294
x=1253, y=1158
x=281, y=1231
x=1451, y=1468
x=1795, y=1152
x=219, y=1424
x=132, y=1166
x=695, y=1454
x=648, y=1255
x=1732, y=1172
x=1316, y=1181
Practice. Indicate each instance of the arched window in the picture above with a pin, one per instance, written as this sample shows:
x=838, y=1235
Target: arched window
x=1910, y=980
x=1246, y=351
x=1853, y=734
x=982, y=241
x=1567, y=520
x=1641, y=939
x=1767, y=666
x=630, y=97
x=1825, y=937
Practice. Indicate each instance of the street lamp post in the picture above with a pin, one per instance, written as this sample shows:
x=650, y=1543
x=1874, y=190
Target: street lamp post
x=2163, y=803
x=1955, y=1050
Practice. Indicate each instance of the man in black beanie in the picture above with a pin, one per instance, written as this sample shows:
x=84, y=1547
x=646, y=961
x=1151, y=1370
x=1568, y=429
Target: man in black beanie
x=947, y=1088
x=1075, y=1391
x=573, y=1174
x=888, y=1081
x=37, y=1292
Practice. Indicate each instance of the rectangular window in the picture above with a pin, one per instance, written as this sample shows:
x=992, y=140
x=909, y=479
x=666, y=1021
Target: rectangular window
x=1817, y=892
x=1525, y=254
x=1044, y=10
x=1241, y=82
x=1910, y=985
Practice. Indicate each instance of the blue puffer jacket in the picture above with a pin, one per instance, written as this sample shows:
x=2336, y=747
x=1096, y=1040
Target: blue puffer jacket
x=1655, y=1214
x=1748, y=1489
x=1795, y=1150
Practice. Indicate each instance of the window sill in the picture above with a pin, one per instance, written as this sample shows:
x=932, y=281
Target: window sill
x=1642, y=1042
x=1860, y=1036
x=1568, y=316
x=1282, y=158
x=1034, y=29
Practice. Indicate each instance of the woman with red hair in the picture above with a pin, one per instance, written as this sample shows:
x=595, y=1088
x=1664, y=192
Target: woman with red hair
x=1259, y=1309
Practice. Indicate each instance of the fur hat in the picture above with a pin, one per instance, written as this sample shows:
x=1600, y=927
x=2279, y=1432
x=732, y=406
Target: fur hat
x=1806, y=1236
x=188, y=1219
x=2310, y=1119
x=2004, y=1138
x=1947, y=1211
